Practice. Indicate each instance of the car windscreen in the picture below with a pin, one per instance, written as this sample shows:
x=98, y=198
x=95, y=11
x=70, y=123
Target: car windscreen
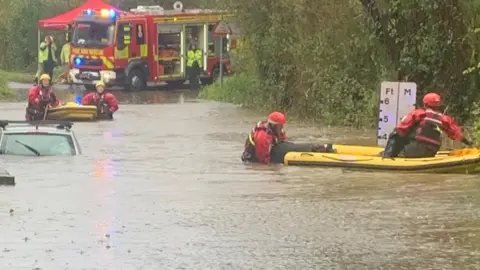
x=37, y=144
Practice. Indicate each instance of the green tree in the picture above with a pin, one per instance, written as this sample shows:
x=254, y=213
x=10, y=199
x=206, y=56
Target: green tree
x=326, y=59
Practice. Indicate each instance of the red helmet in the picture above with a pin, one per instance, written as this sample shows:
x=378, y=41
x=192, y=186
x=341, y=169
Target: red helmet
x=276, y=118
x=432, y=100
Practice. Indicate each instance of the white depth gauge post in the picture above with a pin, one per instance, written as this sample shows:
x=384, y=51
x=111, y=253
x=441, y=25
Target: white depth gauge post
x=397, y=99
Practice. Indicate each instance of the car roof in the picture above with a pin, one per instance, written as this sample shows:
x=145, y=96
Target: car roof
x=48, y=126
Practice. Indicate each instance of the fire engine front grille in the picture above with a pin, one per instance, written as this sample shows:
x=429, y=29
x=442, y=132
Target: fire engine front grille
x=88, y=75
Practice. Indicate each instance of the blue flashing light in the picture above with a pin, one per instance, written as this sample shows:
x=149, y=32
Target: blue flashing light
x=89, y=12
x=78, y=100
x=112, y=14
x=78, y=61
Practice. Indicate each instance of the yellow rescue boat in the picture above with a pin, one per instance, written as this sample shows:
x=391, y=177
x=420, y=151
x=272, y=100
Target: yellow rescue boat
x=367, y=158
x=72, y=112
x=367, y=150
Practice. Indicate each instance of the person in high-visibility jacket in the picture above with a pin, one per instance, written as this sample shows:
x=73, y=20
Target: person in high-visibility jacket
x=194, y=64
x=46, y=57
x=65, y=56
x=65, y=53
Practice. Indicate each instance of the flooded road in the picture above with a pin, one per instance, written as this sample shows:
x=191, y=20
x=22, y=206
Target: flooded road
x=162, y=187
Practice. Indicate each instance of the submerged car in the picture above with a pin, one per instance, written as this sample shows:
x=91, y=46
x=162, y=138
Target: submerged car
x=38, y=138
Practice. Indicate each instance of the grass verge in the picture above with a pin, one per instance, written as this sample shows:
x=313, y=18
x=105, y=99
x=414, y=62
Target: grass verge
x=27, y=76
x=17, y=76
x=6, y=94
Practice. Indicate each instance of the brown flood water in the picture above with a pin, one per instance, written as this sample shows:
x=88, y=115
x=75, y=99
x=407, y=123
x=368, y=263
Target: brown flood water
x=162, y=187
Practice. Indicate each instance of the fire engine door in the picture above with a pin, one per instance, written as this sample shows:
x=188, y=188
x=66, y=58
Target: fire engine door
x=139, y=45
x=131, y=42
x=170, y=51
x=122, y=54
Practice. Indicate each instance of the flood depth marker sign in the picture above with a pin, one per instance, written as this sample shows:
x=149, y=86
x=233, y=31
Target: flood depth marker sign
x=397, y=99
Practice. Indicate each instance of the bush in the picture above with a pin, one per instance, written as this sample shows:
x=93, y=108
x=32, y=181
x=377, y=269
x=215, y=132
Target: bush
x=239, y=89
x=325, y=60
x=317, y=66
x=476, y=122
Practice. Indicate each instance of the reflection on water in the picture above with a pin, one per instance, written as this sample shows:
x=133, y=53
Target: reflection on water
x=104, y=168
x=162, y=187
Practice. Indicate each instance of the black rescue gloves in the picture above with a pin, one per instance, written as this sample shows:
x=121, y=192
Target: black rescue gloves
x=395, y=145
x=467, y=142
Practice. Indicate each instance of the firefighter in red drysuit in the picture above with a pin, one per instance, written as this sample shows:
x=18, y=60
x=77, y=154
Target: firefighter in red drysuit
x=419, y=133
x=39, y=97
x=263, y=136
x=267, y=143
x=106, y=103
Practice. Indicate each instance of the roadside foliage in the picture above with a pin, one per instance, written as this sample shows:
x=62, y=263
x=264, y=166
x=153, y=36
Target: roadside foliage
x=325, y=59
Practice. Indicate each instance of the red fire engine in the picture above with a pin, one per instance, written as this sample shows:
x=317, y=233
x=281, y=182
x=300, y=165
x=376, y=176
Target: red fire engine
x=146, y=46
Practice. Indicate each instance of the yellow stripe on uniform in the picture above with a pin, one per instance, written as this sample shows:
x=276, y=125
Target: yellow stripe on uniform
x=251, y=139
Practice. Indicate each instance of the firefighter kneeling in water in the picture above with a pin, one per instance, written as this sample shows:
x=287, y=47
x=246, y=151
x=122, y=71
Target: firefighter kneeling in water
x=267, y=142
x=106, y=103
x=40, y=97
x=419, y=133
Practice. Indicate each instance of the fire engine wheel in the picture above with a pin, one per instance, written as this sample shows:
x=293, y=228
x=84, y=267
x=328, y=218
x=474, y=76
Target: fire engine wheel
x=136, y=81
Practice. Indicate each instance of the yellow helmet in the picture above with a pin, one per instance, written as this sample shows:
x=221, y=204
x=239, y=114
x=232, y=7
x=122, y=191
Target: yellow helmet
x=99, y=83
x=44, y=77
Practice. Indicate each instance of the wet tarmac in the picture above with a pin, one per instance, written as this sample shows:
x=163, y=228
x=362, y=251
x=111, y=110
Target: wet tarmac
x=162, y=187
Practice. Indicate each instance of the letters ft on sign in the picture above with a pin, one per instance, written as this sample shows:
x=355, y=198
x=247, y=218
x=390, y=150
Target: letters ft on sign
x=391, y=91
x=397, y=99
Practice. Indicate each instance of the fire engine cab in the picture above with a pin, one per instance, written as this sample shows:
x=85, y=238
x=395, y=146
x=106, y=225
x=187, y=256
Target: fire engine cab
x=148, y=45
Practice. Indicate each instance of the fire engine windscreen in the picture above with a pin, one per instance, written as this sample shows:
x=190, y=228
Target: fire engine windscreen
x=93, y=34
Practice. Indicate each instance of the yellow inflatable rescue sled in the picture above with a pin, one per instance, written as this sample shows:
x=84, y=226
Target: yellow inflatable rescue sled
x=368, y=158
x=367, y=150
x=72, y=112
